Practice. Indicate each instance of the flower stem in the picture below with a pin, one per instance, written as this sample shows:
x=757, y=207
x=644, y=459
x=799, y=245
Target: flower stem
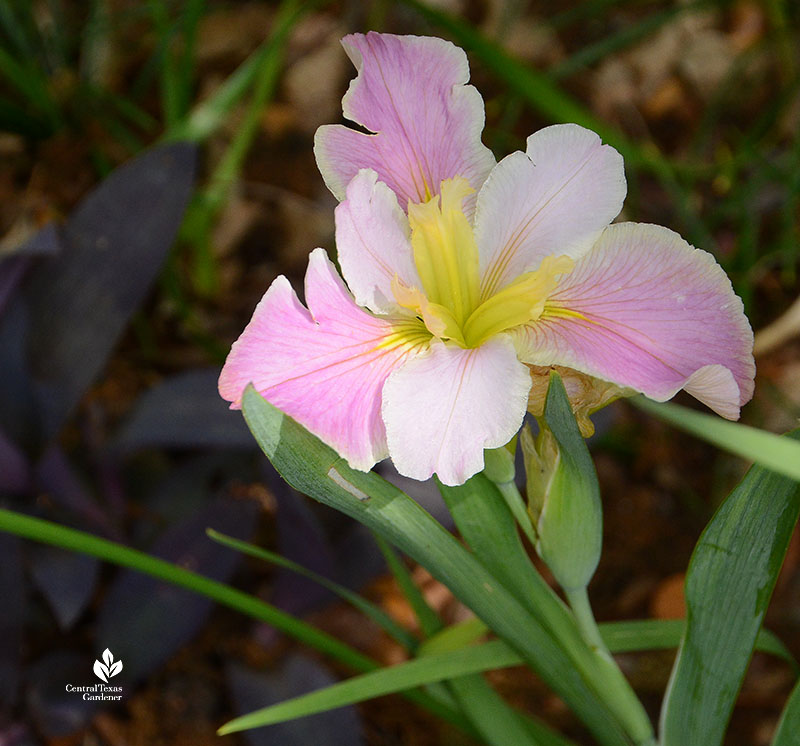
x=517, y=507
x=616, y=690
x=499, y=468
x=578, y=600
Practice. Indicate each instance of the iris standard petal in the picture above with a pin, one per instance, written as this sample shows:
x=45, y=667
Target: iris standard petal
x=646, y=310
x=411, y=91
x=325, y=366
x=444, y=407
x=373, y=243
x=555, y=199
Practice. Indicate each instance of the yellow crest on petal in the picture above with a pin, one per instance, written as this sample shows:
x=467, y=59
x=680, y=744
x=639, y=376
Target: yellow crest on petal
x=446, y=257
x=519, y=302
x=444, y=250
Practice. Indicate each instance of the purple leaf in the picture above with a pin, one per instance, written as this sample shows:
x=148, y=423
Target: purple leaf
x=184, y=491
x=66, y=579
x=114, y=245
x=15, y=472
x=294, y=676
x=358, y=557
x=301, y=539
x=16, y=734
x=15, y=264
x=56, y=478
x=185, y=411
x=56, y=712
x=144, y=621
x=12, y=610
x=18, y=416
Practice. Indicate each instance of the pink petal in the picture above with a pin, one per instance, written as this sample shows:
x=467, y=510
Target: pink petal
x=658, y=316
x=323, y=366
x=411, y=91
x=555, y=199
x=372, y=240
x=442, y=408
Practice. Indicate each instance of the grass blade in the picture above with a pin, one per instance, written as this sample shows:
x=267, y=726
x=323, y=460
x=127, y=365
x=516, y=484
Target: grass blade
x=30, y=83
x=626, y=36
x=368, y=609
x=428, y=669
x=170, y=89
x=728, y=586
x=776, y=452
x=420, y=671
x=789, y=725
x=661, y=634
x=427, y=618
x=205, y=208
x=210, y=114
x=85, y=543
x=498, y=723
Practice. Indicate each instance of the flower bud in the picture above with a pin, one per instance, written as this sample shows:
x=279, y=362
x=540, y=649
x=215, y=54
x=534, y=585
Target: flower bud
x=563, y=493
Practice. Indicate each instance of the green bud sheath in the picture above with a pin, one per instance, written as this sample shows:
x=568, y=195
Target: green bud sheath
x=563, y=493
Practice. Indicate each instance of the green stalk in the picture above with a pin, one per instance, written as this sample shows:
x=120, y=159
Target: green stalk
x=84, y=543
x=616, y=690
x=579, y=603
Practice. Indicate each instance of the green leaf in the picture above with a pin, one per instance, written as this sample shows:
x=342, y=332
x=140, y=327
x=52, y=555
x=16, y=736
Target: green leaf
x=486, y=523
x=661, y=634
x=31, y=84
x=776, y=452
x=728, y=586
x=627, y=35
x=425, y=670
x=789, y=725
x=84, y=543
x=316, y=470
x=620, y=637
x=368, y=609
x=455, y=637
x=427, y=618
x=498, y=722
x=207, y=205
x=209, y=115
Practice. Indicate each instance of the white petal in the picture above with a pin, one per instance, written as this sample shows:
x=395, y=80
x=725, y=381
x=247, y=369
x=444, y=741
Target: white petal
x=553, y=200
x=372, y=241
x=443, y=408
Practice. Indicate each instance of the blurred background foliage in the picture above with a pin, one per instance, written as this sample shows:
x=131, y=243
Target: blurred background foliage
x=117, y=309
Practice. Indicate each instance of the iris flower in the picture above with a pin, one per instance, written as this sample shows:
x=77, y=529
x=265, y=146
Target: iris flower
x=461, y=273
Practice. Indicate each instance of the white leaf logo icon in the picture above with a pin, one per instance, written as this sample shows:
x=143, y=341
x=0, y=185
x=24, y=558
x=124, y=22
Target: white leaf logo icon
x=108, y=668
x=101, y=671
